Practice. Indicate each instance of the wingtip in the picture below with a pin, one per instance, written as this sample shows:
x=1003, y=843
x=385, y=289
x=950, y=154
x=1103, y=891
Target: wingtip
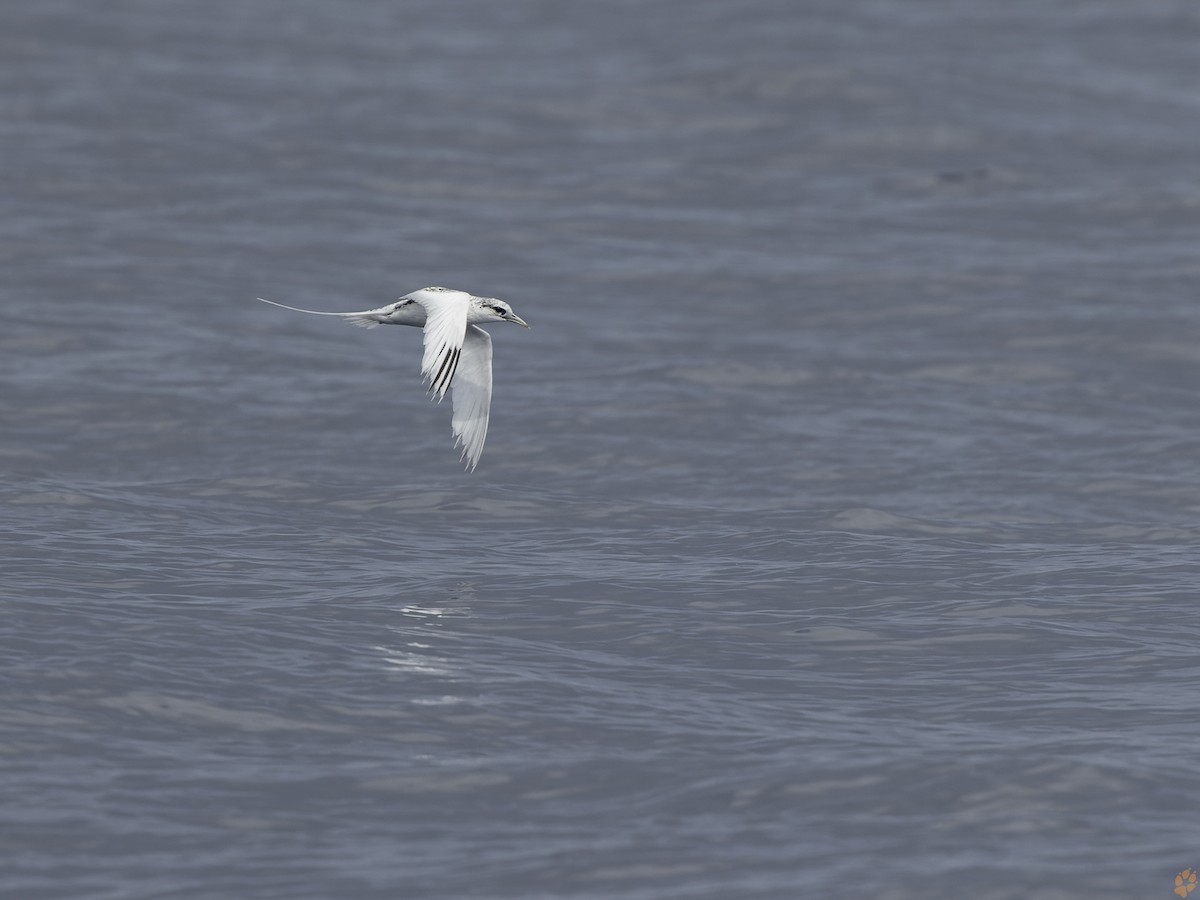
x=470, y=462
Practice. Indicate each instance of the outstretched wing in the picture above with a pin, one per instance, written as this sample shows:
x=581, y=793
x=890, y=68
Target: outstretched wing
x=368, y=318
x=445, y=326
x=473, y=394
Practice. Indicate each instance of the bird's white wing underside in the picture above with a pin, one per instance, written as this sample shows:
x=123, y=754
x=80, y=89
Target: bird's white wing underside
x=473, y=394
x=445, y=326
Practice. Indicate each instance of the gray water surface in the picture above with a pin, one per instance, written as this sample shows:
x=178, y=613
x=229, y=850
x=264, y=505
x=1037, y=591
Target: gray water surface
x=837, y=530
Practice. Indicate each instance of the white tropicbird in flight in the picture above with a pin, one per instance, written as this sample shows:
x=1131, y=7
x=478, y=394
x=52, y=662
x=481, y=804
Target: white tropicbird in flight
x=457, y=351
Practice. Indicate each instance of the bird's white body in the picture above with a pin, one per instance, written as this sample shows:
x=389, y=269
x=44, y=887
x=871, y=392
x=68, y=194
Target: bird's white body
x=458, y=353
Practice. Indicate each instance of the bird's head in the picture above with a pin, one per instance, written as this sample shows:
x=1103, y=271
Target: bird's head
x=489, y=309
